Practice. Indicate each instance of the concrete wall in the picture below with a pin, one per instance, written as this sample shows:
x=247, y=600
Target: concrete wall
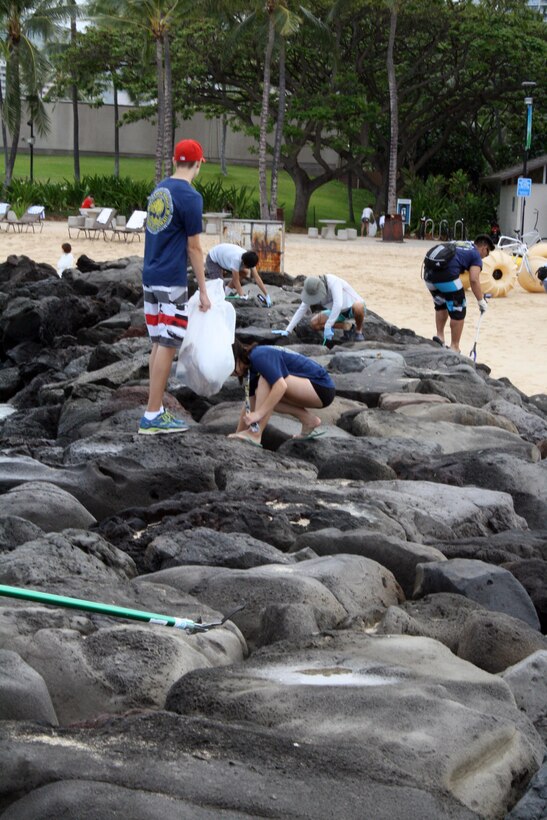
x=139, y=138
x=510, y=213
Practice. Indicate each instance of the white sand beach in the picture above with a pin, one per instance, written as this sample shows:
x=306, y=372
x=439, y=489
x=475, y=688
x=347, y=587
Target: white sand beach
x=513, y=335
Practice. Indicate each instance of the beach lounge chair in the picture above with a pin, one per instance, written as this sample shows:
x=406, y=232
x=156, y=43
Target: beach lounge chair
x=32, y=218
x=97, y=226
x=4, y=208
x=134, y=227
x=75, y=226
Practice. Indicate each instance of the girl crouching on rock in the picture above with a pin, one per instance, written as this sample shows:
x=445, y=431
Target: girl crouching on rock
x=280, y=381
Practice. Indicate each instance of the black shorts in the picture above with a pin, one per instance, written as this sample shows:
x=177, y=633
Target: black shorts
x=326, y=394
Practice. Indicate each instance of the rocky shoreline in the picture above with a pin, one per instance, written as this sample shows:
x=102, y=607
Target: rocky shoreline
x=391, y=658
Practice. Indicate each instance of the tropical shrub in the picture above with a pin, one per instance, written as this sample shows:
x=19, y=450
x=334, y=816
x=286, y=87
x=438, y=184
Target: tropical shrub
x=125, y=194
x=452, y=199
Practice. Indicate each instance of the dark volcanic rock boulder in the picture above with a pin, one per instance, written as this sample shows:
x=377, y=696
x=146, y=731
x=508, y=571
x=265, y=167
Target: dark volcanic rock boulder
x=337, y=588
x=349, y=705
x=532, y=574
x=49, y=507
x=299, y=692
x=210, y=548
x=509, y=471
x=15, y=531
x=528, y=682
x=23, y=692
x=491, y=586
x=494, y=641
x=400, y=557
x=441, y=616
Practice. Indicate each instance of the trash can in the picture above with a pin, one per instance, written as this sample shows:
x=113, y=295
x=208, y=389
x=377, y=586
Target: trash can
x=393, y=228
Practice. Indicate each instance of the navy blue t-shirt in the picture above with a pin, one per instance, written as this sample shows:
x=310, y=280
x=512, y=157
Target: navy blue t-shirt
x=275, y=363
x=463, y=259
x=174, y=213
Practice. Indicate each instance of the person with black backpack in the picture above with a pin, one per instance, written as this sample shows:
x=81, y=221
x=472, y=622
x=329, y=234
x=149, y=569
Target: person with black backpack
x=443, y=265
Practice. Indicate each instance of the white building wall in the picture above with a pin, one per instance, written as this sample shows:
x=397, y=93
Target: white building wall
x=510, y=209
x=139, y=138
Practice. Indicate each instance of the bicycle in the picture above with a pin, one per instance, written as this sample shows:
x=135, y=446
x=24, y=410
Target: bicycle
x=521, y=249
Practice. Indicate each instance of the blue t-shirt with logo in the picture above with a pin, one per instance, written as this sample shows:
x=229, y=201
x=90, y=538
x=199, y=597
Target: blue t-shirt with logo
x=174, y=213
x=276, y=363
x=463, y=259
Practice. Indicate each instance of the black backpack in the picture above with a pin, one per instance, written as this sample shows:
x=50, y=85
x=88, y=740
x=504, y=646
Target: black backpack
x=437, y=258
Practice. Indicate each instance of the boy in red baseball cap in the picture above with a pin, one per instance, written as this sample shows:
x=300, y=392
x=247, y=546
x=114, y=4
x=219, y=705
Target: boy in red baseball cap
x=173, y=228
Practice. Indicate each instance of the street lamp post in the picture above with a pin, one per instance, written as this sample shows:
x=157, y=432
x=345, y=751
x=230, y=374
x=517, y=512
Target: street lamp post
x=528, y=101
x=30, y=142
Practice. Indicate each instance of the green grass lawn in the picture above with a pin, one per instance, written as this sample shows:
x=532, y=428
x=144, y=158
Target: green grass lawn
x=328, y=202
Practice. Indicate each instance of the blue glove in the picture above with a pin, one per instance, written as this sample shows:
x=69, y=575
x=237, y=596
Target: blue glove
x=328, y=334
x=280, y=332
x=268, y=300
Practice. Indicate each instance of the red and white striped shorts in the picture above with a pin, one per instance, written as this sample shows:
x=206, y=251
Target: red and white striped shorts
x=165, y=312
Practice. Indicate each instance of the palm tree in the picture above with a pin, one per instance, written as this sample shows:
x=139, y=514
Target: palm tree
x=24, y=23
x=393, y=110
x=156, y=19
x=74, y=98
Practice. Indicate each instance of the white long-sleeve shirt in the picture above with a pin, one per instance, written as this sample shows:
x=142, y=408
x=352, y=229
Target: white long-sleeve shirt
x=340, y=296
x=66, y=261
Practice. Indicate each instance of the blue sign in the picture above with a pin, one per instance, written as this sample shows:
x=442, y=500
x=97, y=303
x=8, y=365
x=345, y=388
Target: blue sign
x=524, y=186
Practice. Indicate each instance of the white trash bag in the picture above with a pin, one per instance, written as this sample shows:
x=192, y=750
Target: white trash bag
x=205, y=358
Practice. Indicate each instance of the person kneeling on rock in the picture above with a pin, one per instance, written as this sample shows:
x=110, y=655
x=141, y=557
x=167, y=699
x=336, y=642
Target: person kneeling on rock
x=280, y=381
x=341, y=303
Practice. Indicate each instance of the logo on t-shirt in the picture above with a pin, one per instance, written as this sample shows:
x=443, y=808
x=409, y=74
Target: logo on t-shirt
x=160, y=210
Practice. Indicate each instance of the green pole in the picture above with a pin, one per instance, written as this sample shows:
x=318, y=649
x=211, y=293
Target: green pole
x=107, y=609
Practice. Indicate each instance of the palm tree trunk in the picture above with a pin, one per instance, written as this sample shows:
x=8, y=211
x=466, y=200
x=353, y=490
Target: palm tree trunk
x=278, y=131
x=264, y=115
x=161, y=110
x=4, y=134
x=75, y=111
x=223, y=133
x=393, y=113
x=116, y=128
x=351, y=212
x=13, y=79
x=168, y=142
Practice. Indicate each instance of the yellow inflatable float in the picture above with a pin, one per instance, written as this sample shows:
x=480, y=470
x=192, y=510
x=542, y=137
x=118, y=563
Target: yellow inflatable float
x=539, y=250
x=528, y=279
x=498, y=274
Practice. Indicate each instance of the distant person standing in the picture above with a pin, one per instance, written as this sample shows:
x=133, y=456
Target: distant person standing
x=367, y=217
x=382, y=222
x=447, y=290
x=66, y=261
x=173, y=228
x=88, y=202
x=237, y=263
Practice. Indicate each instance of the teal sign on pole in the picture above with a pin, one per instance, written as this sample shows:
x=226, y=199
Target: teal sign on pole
x=524, y=186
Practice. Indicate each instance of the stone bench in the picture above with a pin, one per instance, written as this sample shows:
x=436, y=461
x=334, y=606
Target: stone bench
x=313, y=233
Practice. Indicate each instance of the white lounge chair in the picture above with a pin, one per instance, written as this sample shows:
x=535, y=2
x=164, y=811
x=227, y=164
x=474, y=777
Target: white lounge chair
x=4, y=208
x=103, y=222
x=75, y=224
x=32, y=218
x=134, y=227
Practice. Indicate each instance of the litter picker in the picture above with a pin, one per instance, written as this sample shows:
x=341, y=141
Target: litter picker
x=473, y=352
x=116, y=611
x=255, y=426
